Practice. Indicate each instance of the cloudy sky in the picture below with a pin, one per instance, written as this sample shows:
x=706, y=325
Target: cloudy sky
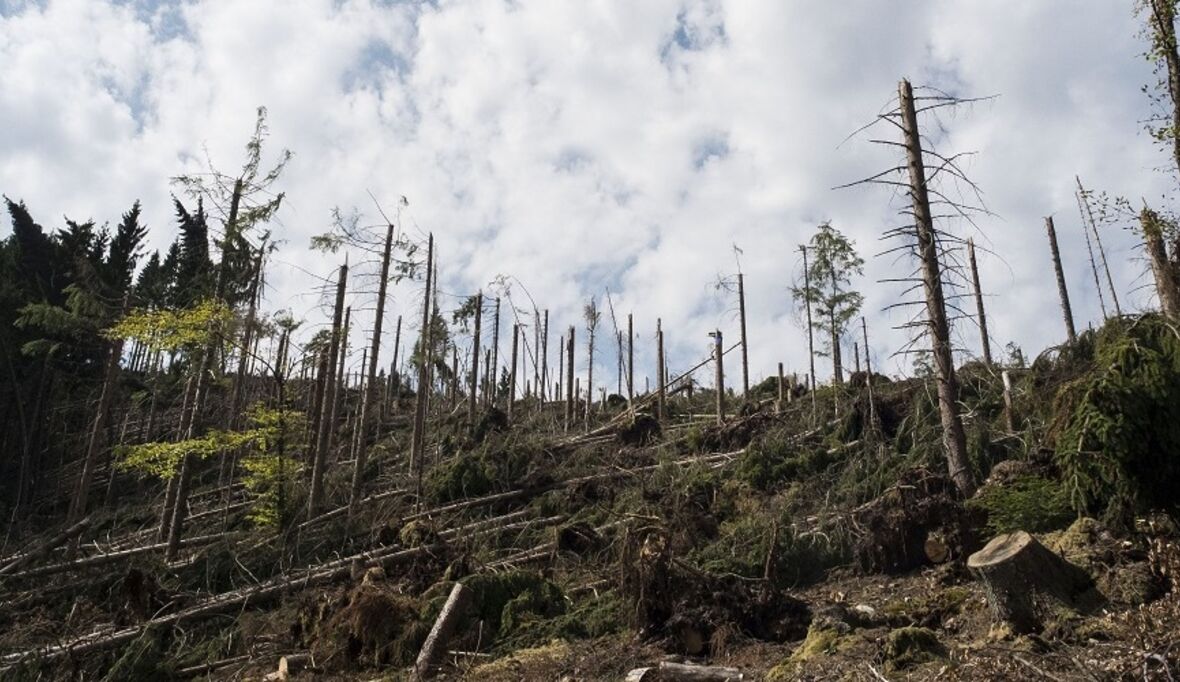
x=595, y=145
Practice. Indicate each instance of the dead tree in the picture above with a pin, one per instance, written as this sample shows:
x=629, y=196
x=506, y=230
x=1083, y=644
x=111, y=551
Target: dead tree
x=1088, y=219
x=475, y=337
x=315, y=496
x=980, y=316
x=718, y=357
x=1157, y=254
x=630, y=363
x=1162, y=26
x=418, y=436
x=810, y=329
x=745, y=341
x=1066, y=310
x=495, y=365
x=569, y=378
x=448, y=619
x=544, y=359
x=394, y=375
x=512, y=371
x=590, y=312
x=369, y=396
x=661, y=374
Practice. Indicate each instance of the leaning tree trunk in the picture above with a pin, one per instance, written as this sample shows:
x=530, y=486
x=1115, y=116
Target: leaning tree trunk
x=315, y=496
x=369, y=398
x=1025, y=582
x=979, y=312
x=448, y=619
x=110, y=377
x=953, y=438
x=1088, y=215
x=418, y=436
x=1066, y=310
x=1161, y=269
x=1163, y=28
x=745, y=340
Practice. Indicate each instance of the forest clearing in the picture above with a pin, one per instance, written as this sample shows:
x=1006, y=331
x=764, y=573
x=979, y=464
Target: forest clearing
x=197, y=482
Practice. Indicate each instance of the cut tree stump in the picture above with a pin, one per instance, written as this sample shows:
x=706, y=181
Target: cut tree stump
x=1024, y=581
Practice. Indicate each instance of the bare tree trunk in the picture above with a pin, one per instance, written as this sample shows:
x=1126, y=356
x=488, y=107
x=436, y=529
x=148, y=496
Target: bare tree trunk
x=545, y=359
x=435, y=645
x=558, y=393
x=110, y=377
x=512, y=369
x=1066, y=310
x=589, y=373
x=1157, y=255
x=495, y=366
x=781, y=401
x=1086, y=213
x=745, y=340
x=662, y=377
x=954, y=439
x=810, y=328
x=569, y=379
x=235, y=404
x=371, y=386
x=418, y=437
x=338, y=390
x=837, y=360
x=718, y=352
x=394, y=376
x=328, y=412
x=985, y=343
x=475, y=338
x=874, y=422
x=1009, y=416
x=630, y=363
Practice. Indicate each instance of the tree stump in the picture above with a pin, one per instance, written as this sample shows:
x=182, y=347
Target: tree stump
x=1024, y=580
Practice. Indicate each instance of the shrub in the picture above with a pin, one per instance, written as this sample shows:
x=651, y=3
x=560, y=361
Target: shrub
x=1029, y=503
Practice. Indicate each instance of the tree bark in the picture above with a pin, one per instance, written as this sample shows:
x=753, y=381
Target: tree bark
x=953, y=437
x=371, y=386
x=110, y=377
x=475, y=343
x=1161, y=269
x=1023, y=581
x=315, y=497
x=512, y=369
x=979, y=312
x=718, y=352
x=807, y=305
x=661, y=375
x=569, y=379
x=1066, y=310
x=630, y=363
x=745, y=340
x=418, y=436
x=494, y=367
x=1163, y=25
x=444, y=626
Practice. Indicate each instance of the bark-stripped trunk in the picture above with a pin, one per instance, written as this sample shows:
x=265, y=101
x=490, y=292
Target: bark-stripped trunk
x=327, y=424
x=368, y=402
x=953, y=437
x=984, y=342
x=745, y=341
x=630, y=363
x=418, y=436
x=512, y=370
x=718, y=352
x=495, y=365
x=475, y=343
x=569, y=378
x=810, y=327
x=1157, y=255
x=1066, y=310
x=662, y=377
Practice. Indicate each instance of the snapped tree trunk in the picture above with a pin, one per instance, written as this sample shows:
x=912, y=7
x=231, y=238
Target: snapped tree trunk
x=512, y=369
x=661, y=373
x=745, y=341
x=444, y=626
x=1066, y=310
x=1161, y=269
x=569, y=379
x=953, y=438
x=980, y=316
x=418, y=436
x=371, y=385
x=810, y=328
x=327, y=423
x=718, y=353
x=475, y=337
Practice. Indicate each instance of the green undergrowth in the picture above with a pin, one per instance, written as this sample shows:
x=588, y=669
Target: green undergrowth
x=1030, y=503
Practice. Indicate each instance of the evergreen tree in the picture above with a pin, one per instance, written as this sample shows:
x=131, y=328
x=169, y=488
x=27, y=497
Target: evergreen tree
x=826, y=287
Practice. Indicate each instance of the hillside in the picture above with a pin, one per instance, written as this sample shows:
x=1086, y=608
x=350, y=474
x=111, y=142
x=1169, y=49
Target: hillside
x=817, y=538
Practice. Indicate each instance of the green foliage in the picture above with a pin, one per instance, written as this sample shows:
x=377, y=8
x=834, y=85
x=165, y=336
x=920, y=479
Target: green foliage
x=463, y=476
x=1118, y=427
x=173, y=330
x=746, y=543
x=508, y=602
x=833, y=262
x=162, y=459
x=1029, y=503
x=775, y=458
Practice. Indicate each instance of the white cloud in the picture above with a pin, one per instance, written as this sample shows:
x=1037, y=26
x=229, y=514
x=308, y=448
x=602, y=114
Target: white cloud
x=584, y=145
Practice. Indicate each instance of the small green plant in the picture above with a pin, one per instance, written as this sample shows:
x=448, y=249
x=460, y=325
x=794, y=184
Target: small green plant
x=1029, y=503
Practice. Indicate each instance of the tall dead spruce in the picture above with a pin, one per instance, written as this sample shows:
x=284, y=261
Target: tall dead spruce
x=932, y=245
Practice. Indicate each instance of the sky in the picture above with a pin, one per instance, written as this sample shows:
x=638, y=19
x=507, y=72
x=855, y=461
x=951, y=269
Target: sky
x=601, y=145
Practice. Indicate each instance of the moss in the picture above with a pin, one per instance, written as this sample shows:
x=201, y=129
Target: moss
x=928, y=611
x=1029, y=503
x=820, y=641
x=533, y=663
x=911, y=646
